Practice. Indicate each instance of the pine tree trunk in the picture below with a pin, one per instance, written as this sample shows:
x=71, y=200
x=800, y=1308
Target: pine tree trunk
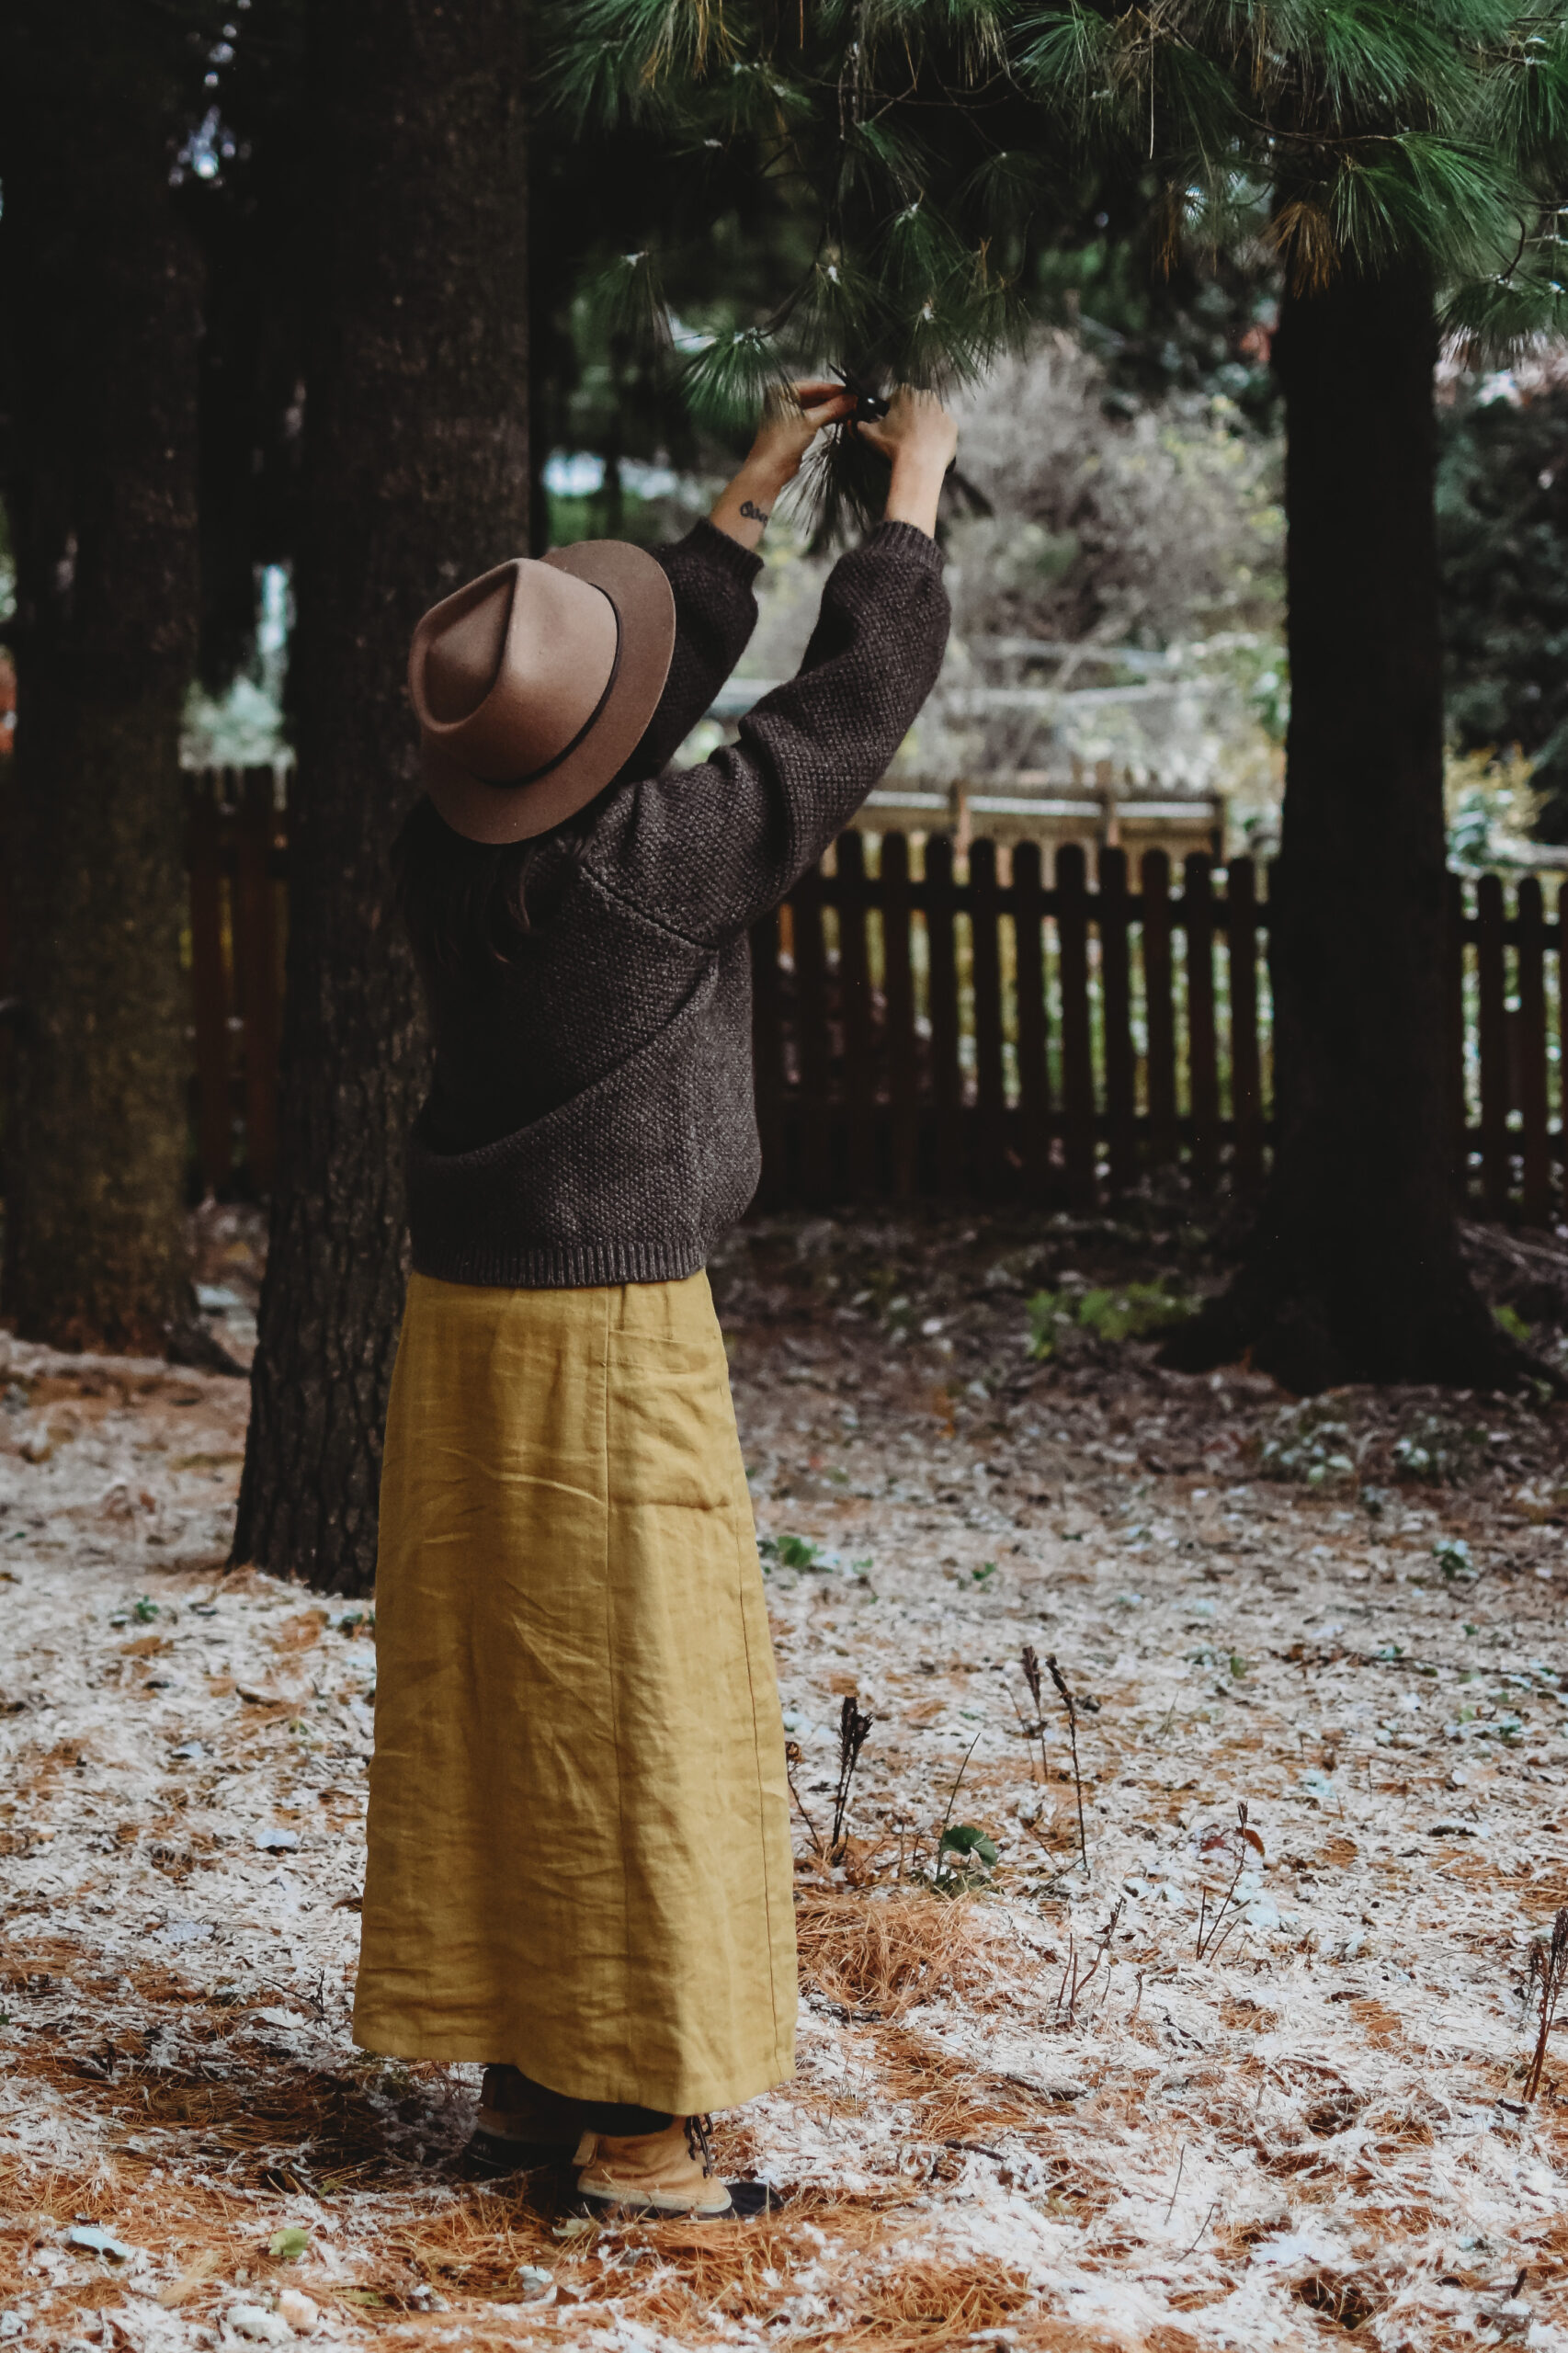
x=417, y=477
x=101, y=289
x=1355, y=1272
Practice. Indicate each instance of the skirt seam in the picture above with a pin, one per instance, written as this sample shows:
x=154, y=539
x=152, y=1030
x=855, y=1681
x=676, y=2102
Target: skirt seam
x=756, y=1745
x=610, y=1655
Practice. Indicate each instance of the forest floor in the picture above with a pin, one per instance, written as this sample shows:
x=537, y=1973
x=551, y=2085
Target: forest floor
x=1251, y=2071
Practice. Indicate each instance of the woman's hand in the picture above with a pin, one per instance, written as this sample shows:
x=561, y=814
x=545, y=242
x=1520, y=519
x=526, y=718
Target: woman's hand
x=791, y=420
x=921, y=440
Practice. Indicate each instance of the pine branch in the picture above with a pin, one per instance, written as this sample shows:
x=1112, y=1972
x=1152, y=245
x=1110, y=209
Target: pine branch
x=932, y=149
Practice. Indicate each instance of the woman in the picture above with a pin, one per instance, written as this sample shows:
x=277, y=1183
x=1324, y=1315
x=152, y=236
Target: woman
x=579, y=1865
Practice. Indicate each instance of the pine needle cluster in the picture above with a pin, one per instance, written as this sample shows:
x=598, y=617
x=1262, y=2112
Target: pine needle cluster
x=936, y=149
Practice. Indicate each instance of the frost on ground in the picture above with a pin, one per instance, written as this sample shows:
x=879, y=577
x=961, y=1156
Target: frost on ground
x=1224, y=2082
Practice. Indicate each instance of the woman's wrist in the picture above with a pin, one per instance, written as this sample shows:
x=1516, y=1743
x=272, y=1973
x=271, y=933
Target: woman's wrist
x=744, y=508
x=915, y=490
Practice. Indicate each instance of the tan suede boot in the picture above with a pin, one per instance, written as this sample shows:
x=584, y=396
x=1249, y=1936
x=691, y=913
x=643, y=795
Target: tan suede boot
x=653, y=2173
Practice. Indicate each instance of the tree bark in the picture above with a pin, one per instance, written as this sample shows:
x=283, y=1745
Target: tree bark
x=1355, y=1272
x=417, y=477
x=100, y=285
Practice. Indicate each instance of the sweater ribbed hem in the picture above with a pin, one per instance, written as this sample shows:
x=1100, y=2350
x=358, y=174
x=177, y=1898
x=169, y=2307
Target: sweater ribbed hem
x=908, y=539
x=582, y=1265
x=717, y=547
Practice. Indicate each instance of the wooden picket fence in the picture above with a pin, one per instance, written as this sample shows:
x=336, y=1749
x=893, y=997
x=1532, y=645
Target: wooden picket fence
x=237, y=850
x=924, y=1028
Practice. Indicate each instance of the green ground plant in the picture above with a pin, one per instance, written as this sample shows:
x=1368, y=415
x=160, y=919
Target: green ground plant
x=1132, y=1311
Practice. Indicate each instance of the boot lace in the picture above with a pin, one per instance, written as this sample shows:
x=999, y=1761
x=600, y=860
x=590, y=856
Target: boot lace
x=700, y=2146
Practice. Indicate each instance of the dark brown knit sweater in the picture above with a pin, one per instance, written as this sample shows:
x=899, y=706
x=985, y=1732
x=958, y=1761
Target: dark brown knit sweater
x=591, y=1117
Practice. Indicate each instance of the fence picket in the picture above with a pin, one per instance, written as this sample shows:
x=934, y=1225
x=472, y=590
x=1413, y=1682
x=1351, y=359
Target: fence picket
x=1034, y=1069
x=1159, y=1010
x=1530, y=1031
x=898, y=984
x=1246, y=1079
x=255, y=969
x=854, y=995
x=1197, y=912
x=989, y=1089
x=208, y=986
x=1454, y=1041
x=940, y=898
x=1494, y=1037
x=1116, y=999
x=1077, y=1063
x=854, y=1095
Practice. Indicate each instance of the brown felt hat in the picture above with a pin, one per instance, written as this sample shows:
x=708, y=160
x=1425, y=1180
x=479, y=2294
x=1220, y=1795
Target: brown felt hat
x=533, y=685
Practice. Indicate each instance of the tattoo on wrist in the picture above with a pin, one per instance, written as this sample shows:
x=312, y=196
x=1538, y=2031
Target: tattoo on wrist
x=753, y=513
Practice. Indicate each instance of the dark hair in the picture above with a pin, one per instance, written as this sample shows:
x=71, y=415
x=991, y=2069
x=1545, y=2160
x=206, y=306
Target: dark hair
x=465, y=904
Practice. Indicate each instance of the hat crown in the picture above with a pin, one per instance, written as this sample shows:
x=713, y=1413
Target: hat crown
x=460, y=663
x=508, y=673
x=533, y=685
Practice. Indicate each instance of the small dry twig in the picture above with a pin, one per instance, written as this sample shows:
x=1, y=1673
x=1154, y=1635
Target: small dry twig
x=1035, y=1731
x=1549, y=1961
x=1210, y=1934
x=791, y=1758
x=1074, y=1984
x=1071, y=1705
x=953, y=1801
x=853, y=1729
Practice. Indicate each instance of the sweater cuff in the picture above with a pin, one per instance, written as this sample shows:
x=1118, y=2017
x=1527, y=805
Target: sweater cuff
x=715, y=546
x=907, y=539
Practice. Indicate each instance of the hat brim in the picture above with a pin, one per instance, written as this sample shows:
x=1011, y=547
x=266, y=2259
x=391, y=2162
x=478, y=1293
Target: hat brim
x=640, y=590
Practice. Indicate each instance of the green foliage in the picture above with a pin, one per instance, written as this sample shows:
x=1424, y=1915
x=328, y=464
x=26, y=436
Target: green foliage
x=963, y=1839
x=789, y=1551
x=1436, y=1451
x=1493, y=807
x=1134, y=1311
x=1503, y=540
x=1309, y=1445
x=934, y=153
x=1509, y=1319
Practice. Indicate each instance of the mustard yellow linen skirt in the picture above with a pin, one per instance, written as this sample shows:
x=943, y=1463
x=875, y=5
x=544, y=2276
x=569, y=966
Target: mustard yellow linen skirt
x=579, y=1836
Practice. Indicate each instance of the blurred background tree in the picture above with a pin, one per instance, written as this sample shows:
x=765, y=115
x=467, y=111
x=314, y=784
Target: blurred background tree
x=100, y=292
x=1502, y=541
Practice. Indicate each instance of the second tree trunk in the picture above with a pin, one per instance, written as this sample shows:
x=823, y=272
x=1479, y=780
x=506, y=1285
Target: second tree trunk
x=416, y=478
x=1355, y=1270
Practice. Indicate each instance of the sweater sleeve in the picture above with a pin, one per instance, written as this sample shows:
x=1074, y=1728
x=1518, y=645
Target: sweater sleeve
x=708, y=850
x=712, y=577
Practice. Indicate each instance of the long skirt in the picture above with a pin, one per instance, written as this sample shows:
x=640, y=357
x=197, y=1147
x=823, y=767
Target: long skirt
x=579, y=1837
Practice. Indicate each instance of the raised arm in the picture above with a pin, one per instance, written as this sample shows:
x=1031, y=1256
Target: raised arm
x=713, y=569
x=708, y=851
x=711, y=579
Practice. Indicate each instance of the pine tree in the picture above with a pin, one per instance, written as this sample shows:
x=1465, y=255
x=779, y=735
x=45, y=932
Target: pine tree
x=100, y=288
x=1398, y=162
x=415, y=478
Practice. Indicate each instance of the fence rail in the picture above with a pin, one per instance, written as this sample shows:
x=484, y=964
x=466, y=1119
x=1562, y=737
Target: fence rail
x=927, y=1025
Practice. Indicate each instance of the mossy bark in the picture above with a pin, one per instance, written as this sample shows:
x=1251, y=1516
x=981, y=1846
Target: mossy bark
x=101, y=286
x=417, y=477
